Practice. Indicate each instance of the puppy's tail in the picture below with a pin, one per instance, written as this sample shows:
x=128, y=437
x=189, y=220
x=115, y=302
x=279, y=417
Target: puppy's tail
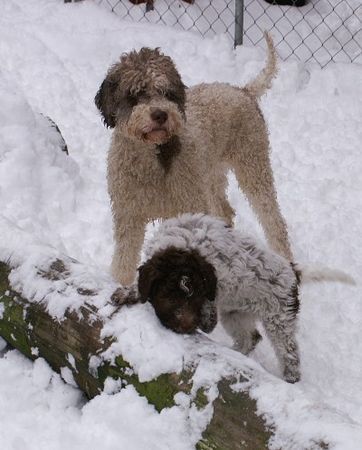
x=316, y=274
x=262, y=82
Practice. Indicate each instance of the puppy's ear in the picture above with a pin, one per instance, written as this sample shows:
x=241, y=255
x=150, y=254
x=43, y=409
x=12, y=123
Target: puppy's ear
x=106, y=102
x=147, y=275
x=210, y=280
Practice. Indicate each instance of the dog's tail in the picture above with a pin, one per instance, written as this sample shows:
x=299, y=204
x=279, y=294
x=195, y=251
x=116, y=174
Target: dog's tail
x=262, y=82
x=316, y=274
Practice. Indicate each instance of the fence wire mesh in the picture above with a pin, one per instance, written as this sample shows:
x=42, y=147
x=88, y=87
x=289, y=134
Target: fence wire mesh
x=320, y=31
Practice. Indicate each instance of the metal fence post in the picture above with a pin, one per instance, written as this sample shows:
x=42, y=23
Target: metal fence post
x=239, y=22
x=331, y=33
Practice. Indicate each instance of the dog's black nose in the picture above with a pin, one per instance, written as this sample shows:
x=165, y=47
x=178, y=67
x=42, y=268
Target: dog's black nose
x=159, y=116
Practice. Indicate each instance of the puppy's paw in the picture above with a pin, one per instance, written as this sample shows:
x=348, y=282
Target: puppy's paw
x=125, y=296
x=248, y=343
x=208, y=319
x=291, y=374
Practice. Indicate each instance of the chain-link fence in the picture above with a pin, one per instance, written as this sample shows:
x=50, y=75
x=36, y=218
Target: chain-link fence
x=321, y=30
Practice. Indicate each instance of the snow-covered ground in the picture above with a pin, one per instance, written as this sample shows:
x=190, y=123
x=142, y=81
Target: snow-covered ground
x=52, y=59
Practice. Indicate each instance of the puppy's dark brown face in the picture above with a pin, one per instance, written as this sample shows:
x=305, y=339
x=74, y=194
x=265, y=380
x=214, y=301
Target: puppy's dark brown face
x=143, y=95
x=178, y=283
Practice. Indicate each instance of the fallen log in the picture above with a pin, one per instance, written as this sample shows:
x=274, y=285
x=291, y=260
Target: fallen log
x=71, y=345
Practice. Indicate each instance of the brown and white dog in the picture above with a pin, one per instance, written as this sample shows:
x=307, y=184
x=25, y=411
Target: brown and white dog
x=172, y=147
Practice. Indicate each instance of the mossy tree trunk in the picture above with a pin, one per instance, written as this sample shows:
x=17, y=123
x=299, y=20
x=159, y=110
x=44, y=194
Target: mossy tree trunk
x=72, y=343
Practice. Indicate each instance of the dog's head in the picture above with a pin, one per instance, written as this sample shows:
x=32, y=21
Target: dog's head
x=144, y=95
x=181, y=286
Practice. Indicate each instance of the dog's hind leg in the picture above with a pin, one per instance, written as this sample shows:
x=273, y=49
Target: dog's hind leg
x=241, y=327
x=255, y=178
x=220, y=207
x=281, y=331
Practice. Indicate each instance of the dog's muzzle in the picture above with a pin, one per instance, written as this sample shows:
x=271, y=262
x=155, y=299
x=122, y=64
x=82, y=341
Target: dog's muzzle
x=159, y=116
x=158, y=132
x=157, y=136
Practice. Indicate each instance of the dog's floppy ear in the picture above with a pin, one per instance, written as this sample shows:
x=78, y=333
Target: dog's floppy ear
x=106, y=102
x=147, y=275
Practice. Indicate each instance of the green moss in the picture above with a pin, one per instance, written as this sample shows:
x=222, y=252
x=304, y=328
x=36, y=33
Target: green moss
x=159, y=392
x=206, y=445
x=12, y=325
x=201, y=400
x=121, y=363
x=4, y=273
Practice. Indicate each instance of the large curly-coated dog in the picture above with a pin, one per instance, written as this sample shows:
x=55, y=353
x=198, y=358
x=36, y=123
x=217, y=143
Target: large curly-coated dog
x=197, y=268
x=172, y=147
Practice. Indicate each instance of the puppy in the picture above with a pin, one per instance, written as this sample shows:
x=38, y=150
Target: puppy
x=197, y=267
x=180, y=285
x=172, y=147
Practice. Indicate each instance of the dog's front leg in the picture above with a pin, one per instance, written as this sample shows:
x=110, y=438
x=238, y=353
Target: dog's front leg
x=128, y=243
x=241, y=327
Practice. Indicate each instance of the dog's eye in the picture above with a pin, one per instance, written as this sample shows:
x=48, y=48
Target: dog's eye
x=171, y=96
x=185, y=286
x=132, y=99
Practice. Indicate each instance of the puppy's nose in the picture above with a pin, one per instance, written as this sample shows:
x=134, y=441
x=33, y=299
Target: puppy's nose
x=159, y=116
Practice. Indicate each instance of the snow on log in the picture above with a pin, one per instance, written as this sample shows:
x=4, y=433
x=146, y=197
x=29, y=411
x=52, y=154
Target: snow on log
x=75, y=342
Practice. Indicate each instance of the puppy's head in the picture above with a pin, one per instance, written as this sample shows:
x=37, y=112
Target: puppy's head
x=144, y=96
x=178, y=284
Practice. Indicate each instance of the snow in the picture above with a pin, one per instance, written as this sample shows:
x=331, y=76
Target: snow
x=52, y=60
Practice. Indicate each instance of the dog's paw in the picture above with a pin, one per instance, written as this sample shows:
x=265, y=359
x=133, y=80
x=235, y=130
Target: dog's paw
x=125, y=296
x=256, y=338
x=208, y=317
x=291, y=374
x=248, y=343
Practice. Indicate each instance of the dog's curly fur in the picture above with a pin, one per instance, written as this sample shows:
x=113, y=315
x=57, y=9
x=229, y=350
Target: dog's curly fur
x=252, y=283
x=198, y=268
x=172, y=147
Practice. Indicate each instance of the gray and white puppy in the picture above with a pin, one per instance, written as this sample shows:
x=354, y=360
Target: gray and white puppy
x=197, y=268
